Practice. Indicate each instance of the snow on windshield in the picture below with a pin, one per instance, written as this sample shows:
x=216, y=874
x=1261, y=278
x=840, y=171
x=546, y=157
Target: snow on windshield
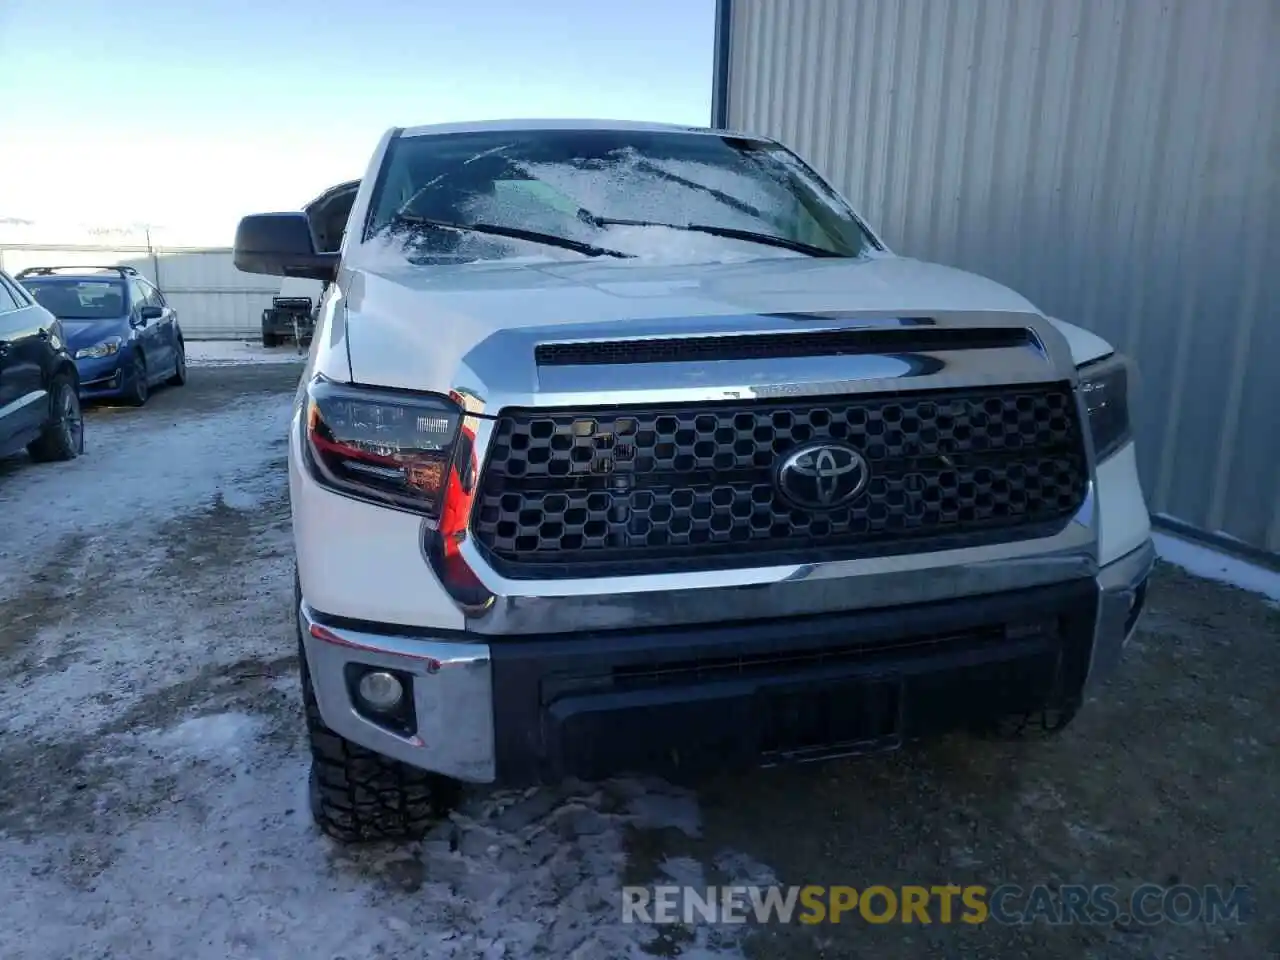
x=652, y=246
x=757, y=191
x=638, y=188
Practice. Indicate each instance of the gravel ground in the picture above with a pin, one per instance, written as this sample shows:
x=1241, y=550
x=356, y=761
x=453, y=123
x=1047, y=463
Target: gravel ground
x=152, y=764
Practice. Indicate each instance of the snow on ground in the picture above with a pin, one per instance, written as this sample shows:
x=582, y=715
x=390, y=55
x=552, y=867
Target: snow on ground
x=153, y=796
x=1204, y=562
x=152, y=474
x=216, y=353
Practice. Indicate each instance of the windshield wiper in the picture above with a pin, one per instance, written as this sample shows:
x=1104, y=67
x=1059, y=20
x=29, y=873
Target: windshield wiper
x=515, y=233
x=731, y=233
x=730, y=201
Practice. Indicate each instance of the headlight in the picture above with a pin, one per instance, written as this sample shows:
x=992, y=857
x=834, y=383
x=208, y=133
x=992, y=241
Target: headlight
x=386, y=446
x=104, y=349
x=1104, y=384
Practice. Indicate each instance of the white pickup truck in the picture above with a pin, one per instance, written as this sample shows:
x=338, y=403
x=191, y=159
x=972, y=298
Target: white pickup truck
x=627, y=447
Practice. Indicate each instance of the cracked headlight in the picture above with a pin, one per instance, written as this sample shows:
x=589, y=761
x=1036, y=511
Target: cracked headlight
x=104, y=349
x=1104, y=384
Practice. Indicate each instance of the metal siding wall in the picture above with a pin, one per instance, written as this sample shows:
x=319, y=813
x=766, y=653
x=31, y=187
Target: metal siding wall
x=212, y=297
x=1113, y=160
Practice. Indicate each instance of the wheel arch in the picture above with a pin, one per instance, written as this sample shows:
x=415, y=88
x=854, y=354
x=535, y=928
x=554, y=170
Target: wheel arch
x=65, y=367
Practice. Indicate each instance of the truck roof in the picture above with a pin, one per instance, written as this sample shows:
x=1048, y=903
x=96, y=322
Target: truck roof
x=526, y=124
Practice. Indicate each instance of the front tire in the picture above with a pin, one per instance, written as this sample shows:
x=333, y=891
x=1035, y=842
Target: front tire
x=63, y=435
x=139, y=388
x=359, y=796
x=179, y=366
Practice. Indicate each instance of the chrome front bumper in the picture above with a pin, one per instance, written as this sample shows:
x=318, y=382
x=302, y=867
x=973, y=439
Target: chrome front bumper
x=452, y=696
x=453, y=685
x=1122, y=595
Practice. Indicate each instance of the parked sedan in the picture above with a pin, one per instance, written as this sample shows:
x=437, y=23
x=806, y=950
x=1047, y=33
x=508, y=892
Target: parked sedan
x=124, y=336
x=39, y=396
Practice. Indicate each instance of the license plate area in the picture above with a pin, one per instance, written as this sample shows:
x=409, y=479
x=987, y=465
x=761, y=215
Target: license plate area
x=845, y=718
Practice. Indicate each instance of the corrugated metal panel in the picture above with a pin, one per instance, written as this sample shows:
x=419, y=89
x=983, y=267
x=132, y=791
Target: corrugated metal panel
x=1116, y=161
x=212, y=297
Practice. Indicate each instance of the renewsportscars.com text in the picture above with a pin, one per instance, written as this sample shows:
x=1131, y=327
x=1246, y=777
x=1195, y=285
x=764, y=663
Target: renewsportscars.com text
x=1008, y=904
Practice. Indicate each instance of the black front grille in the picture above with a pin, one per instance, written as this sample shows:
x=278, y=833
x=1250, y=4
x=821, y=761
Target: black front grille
x=691, y=486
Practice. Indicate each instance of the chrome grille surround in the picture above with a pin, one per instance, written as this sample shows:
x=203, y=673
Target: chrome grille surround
x=500, y=376
x=692, y=486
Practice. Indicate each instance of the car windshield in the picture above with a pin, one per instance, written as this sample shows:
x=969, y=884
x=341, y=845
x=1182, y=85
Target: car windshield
x=79, y=299
x=571, y=194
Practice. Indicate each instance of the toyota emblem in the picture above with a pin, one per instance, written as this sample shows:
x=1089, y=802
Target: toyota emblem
x=822, y=476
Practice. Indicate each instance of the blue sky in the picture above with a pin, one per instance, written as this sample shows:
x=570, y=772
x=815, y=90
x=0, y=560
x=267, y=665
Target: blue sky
x=186, y=115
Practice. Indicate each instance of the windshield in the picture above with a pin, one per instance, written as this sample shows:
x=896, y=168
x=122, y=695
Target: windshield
x=79, y=299
x=680, y=197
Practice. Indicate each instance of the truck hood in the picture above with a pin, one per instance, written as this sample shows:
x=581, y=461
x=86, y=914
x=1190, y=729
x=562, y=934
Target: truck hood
x=410, y=327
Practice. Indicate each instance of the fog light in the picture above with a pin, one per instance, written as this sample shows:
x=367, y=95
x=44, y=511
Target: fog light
x=380, y=690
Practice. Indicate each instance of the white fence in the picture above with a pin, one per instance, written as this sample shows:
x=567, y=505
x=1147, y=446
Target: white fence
x=214, y=300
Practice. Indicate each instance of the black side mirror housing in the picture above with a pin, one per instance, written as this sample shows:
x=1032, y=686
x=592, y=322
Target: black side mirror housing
x=149, y=312
x=281, y=245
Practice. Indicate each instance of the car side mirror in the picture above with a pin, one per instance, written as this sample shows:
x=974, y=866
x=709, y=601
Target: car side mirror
x=281, y=245
x=149, y=312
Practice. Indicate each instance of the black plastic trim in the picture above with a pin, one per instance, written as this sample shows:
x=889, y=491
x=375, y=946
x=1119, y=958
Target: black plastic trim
x=721, y=60
x=553, y=694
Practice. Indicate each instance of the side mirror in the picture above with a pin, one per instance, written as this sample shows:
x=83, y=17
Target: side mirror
x=149, y=313
x=281, y=245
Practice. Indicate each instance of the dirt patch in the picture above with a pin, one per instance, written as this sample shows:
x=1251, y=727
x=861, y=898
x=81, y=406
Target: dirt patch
x=219, y=537
x=40, y=601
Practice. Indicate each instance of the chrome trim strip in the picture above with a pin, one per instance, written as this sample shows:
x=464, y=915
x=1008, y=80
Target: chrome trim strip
x=502, y=372
x=452, y=696
x=595, y=603
x=785, y=377
x=25, y=400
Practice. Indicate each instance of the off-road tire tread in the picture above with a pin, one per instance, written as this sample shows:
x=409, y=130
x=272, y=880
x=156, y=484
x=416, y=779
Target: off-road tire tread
x=361, y=796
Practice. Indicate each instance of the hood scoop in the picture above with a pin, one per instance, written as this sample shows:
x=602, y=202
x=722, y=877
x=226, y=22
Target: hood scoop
x=916, y=339
x=694, y=358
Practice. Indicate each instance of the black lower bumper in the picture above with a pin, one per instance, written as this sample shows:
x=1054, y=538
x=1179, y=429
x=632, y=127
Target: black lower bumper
x=759, y=693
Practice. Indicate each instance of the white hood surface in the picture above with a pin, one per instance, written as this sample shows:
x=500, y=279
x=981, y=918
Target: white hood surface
x=405, y=321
